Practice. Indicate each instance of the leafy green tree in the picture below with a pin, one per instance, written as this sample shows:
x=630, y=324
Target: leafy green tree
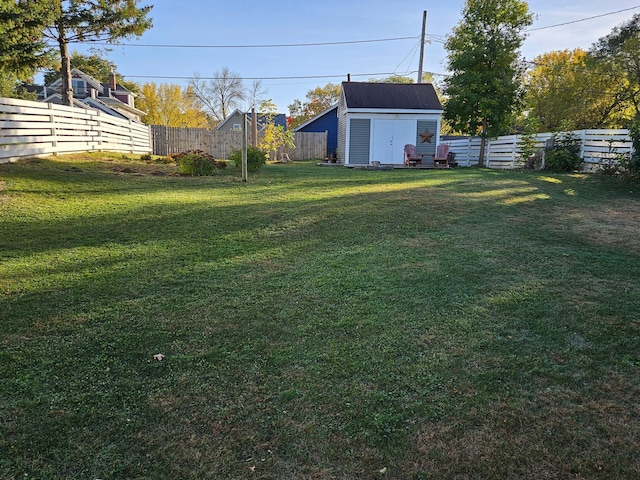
x=93, y=20
x=11, y=87
x=571, y=90
x=620, y=53
x=393, y=79
x=484, y=89
x=23, y=49
x=92, y=64
x=317, y=101
x=274, y=136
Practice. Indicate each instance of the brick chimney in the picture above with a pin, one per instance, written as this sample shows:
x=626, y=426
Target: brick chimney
x=112, y=81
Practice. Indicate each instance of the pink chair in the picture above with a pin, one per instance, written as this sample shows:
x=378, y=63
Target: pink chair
x=441, y=157
x=411, y=157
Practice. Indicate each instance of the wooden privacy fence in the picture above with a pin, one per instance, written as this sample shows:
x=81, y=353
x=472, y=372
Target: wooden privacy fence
x=30, y=129
x=596, y=147
x=170, y=140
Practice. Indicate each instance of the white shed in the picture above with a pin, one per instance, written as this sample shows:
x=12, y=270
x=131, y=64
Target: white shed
x=376, y=121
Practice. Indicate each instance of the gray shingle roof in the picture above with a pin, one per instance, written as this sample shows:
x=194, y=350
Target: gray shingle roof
x=399, y=96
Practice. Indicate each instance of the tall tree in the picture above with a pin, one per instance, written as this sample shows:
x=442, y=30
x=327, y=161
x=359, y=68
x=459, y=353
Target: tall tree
x=92, y=64
x=90, y=20
x=219, y=95
x=255, y=94
x=170, y=105
x=317, y=100
x=22, y=47
x=620, y=52
x=394, y=79
x=484, y=88
x=12, y=87
x=571, y=90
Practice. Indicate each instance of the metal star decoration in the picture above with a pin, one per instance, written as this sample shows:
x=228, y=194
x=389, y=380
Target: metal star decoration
x=426, y=136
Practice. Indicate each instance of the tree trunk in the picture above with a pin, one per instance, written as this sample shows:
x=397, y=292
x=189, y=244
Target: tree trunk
x=483, y=142
x=65, y=67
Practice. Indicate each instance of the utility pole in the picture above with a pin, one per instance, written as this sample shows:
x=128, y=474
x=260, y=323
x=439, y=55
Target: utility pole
x=244, y=147
x=422, y=40
x=254, y=127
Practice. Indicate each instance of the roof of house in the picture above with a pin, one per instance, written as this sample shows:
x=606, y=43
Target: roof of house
x=56, y=99
x=313, y=119
x=263, y=118
x=87, y=78
x=391, y=96
x=114, y=107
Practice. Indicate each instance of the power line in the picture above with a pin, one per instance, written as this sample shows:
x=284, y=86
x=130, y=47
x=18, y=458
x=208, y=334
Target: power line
x=583, y=19
x=168, y=77
x=413, y=50
x=274, y=45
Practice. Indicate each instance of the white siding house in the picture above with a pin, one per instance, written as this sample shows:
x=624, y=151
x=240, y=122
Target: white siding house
x=376, y=121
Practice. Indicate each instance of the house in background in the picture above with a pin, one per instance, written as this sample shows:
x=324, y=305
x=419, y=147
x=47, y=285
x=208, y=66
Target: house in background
x=326, y=121
x=234, y=121
x=111, y=98
x=376, y=121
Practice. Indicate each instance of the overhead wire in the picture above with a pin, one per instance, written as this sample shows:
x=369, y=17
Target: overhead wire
x=431, y=37
x=582, y=19
x=293, y=77
x=272, y=45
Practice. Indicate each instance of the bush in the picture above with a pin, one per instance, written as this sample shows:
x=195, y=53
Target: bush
x=198, y=163
x=634, y=161
x=256, y=158
x=622, y=166
x=565, y=154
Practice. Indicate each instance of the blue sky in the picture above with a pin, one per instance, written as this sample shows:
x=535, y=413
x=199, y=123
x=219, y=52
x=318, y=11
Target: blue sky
x=243, y=22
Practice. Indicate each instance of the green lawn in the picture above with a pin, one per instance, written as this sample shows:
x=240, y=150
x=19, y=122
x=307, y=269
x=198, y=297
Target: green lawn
x=317, y=323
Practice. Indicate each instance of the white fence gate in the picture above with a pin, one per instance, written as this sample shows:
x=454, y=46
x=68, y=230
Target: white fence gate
x=596, y=147
x=29, y=129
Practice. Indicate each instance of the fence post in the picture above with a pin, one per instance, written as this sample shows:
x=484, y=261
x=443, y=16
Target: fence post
x=54, y=133
x=583, y=135
x=99, y=126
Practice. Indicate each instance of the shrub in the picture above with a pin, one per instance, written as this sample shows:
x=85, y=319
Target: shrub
x=528, y=144
x=621, y=165
x=146, y=157
x=634, y=161
x=197, y=162
x=565, y=153
x=256, y=158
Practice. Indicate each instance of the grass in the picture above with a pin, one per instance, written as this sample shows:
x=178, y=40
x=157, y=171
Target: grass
x=316, y=323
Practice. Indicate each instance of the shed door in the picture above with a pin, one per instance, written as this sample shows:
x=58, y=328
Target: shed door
x=389, y=138
x=359, y=139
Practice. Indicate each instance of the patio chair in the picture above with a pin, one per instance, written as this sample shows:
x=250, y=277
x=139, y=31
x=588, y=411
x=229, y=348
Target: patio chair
x=441, y=157
x=411, y=157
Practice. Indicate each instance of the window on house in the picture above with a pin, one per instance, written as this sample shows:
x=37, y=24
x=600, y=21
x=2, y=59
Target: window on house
x=79, y=85
x=236, y=126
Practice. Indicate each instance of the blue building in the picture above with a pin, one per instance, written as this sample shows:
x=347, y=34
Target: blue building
x=326, y=121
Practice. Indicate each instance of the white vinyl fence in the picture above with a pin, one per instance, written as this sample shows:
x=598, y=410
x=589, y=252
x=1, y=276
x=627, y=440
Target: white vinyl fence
x=597, y=147
x=29, y=129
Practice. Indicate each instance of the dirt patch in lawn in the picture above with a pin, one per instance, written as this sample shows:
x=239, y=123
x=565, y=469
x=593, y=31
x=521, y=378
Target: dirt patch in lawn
x=617, y=224
x=561, y=433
